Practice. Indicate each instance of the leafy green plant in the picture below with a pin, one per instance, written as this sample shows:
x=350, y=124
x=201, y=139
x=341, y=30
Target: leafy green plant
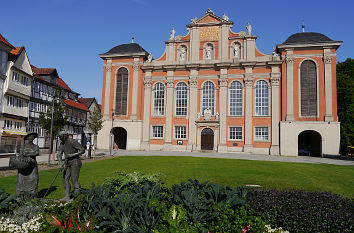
x=5, y=201
x=124, y=181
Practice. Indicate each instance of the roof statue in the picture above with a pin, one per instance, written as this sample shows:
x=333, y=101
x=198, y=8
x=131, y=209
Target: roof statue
x=194, y=19
x=172, y=35
x=224, y=17
x=249, y=29
x=209, y=11
x=149, y=58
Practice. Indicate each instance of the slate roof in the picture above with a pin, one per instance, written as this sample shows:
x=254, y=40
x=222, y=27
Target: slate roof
x=126, y=49
x=307, y=37
x=3, y=40
x=74, y=104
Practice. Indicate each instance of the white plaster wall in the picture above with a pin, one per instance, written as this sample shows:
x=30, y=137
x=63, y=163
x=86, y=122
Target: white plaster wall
x=134, y=133
x=289, y=132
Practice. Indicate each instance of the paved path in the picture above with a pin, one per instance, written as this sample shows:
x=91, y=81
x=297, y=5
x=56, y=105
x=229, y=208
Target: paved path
x=4, y=162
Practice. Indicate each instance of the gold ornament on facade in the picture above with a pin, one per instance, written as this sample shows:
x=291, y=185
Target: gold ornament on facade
x=209, y=33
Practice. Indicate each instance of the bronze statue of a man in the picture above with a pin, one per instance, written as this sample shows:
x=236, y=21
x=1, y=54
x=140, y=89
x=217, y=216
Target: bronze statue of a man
x=72, y=163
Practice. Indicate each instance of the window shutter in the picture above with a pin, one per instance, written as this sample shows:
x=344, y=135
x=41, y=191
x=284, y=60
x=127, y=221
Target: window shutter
x=121, y=92
x=308, y=89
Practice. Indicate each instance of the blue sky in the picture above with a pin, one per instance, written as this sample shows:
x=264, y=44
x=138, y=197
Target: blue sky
x=69, y=34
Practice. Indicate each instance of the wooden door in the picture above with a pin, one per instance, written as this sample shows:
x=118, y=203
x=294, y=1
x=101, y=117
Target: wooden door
x=207, y=139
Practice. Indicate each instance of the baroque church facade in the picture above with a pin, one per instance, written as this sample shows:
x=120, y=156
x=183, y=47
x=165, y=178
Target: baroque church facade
x=212, y=89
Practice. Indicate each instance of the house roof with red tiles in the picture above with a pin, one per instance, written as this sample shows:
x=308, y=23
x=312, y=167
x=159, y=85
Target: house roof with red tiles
x=86, y=101
x=75, y=104
x=16, y=51
x=61, y=83
x=43, y=71
x=3, y=40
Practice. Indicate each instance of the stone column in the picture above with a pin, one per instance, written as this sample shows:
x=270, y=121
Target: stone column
x=169, y=110
x=147, y=110
x=250, y=47
x=289, y=87
x=274, y=148
x=135, y=89
x=170, y=51
x=193, y=91
x=107, y=89
x=248, y=147
x=328, y=87
x=194, y=50
x=223, y=109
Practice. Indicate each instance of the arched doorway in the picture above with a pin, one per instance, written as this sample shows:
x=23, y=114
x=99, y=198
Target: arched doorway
x=120, y=137
x=207, y=139
x=310, y=143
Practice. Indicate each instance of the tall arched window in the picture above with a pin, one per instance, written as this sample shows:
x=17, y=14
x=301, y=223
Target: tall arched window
x=262, y=98
x=181, y=99
x=236, y=99
x=308, y=82
x=122, y=92
x=208, y=97
x=159, y=99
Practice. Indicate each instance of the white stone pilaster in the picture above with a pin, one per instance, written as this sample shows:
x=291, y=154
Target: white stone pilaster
x=289, y=87
x=169, y=110
x=250, y=47
x=223, y=81
x=275, y=79
x=248, y=146
x=135, y=89
x=223, y=42
x=193, y=91
x=107, y=88
x=328, y=87
x=147, y=110
x=194, y=44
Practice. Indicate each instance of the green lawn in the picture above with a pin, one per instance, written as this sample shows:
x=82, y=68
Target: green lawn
x=279, y=175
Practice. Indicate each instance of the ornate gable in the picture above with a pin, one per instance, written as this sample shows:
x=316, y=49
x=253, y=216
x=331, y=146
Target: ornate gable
x=209, y=18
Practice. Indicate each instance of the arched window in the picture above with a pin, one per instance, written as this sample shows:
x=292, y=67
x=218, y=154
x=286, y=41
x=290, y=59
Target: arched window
x=122, y=92
x=236, y=99
x=208, y=97
x=159, y=99
x=308, y=82
x=262, y=98
x=181, y=99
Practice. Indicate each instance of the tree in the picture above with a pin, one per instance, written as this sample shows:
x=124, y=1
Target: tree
x=345, y=99
x=95, y=123
x=59, y=120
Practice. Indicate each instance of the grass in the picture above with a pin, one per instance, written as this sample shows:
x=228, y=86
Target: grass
x=231, y=172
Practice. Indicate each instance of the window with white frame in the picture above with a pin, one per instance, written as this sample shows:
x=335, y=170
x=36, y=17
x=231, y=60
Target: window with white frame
x=235, y=133
x=8, y=124
x=157, y=131
x=181, y=99
x=236, y=99
x=261, y=134
x=15, y=102
x=159, y=99
x=208, y=97
x=262, y=98
x=180, y=132
x=19, y=78
x=18, y=125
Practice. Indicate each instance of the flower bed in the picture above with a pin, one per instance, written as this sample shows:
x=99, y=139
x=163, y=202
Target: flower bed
x=141, y=203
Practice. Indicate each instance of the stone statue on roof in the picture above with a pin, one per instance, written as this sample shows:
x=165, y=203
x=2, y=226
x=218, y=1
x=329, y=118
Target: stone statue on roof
x=249, y=29
x=194, y=19
x=224, y=17
x=172, y=35
x=149, y=58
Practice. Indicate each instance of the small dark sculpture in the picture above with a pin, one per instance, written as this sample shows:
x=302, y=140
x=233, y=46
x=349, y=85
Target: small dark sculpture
x=72, y=163
x=26, y=163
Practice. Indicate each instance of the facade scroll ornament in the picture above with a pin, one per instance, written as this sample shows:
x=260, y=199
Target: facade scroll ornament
x=170, y=83
x=275, y=79
x=223, y=82
x=327, y=59
x=248, y=80
x=193, y=82
x=289, y=60
x=109, y=67
x=147, y=83
x=136, y=66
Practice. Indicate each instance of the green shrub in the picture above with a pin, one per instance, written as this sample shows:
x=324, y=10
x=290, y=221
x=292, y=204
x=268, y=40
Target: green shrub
x=5, y=201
